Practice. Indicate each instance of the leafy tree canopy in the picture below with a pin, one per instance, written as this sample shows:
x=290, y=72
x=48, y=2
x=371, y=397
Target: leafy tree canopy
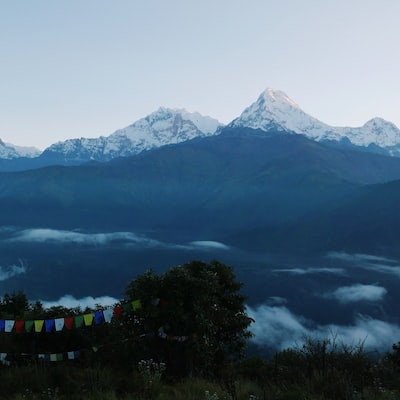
x=198, y=299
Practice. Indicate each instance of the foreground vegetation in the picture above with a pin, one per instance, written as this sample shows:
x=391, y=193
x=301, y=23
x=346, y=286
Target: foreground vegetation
x=307, y=373
x=138, y=355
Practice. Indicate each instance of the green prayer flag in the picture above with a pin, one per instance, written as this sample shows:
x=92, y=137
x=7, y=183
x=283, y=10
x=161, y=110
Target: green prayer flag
x=28, y=326
x=78, y=319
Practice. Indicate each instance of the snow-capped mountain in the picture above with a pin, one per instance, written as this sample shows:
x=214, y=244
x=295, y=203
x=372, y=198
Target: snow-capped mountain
x=274, y=108
x=162, y=127
x=10, y=151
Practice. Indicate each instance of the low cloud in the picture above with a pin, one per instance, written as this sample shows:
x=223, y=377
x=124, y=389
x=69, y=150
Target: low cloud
x=358, y=292
x=307, y=271
x=69, y=301
x=370, y=262
x=277, y=328
x=360, y=257
x=128, y=239
x=11, y=270
x=80, y=238
x=209, y=244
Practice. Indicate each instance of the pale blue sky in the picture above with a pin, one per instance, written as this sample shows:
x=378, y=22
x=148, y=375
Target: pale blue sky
x=85, y=68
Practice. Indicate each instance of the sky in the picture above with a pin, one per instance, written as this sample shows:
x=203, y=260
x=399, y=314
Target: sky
x=85, y=68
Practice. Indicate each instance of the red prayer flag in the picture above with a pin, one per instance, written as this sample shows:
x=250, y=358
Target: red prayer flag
x=118, y=311
x=19, y=326
x=69, y=322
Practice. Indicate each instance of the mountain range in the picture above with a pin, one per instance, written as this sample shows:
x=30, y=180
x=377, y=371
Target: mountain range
x=274, y=179
x=272, y=110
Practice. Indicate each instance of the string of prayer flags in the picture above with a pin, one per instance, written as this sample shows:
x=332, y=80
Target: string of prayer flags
x=72, y=355
x=77, y=321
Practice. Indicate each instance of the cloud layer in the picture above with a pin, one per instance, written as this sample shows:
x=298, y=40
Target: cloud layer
x=311, y=270
x=69, y=301
x=369, y=262
x=55, y=236
x=358, y=292
x=276, y=327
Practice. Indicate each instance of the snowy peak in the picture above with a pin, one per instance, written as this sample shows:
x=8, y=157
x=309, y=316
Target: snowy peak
x=276, y=99
x=166, y=126
x=162, y=127
x=376, y=131
x=10, y=151
x=274, y=109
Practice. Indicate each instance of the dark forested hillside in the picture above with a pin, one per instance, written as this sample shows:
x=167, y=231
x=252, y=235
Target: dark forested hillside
x=239, y=181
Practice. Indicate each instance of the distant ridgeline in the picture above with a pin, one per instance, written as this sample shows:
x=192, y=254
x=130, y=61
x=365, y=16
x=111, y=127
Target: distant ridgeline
x=63, y=329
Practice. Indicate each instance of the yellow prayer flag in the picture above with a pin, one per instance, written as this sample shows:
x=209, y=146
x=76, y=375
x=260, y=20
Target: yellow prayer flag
x=136, y=305
x=88, y=318
x=39, y=325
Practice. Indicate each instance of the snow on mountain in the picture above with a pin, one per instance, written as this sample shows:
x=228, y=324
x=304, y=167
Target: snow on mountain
x=10, y=151
x=162, y=127
x=275, y=109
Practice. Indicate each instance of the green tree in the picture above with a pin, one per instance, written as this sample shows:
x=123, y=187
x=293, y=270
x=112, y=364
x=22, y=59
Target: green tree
x=14, y=305
x=200, y=305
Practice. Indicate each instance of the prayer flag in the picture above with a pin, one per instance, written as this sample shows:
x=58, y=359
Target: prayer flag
x=88, y=318
x=28, y=326
x=136, y=305
x=69, y=322
x=49, y=324
x=53, y=357
x=59, y=357
x=39, y=325
x=19, y=326
x=78, y=319
x=2, y=325
x=117, y=311
x=59, y=324
x=98, y=317
x=108, y=313
x=9, y=325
